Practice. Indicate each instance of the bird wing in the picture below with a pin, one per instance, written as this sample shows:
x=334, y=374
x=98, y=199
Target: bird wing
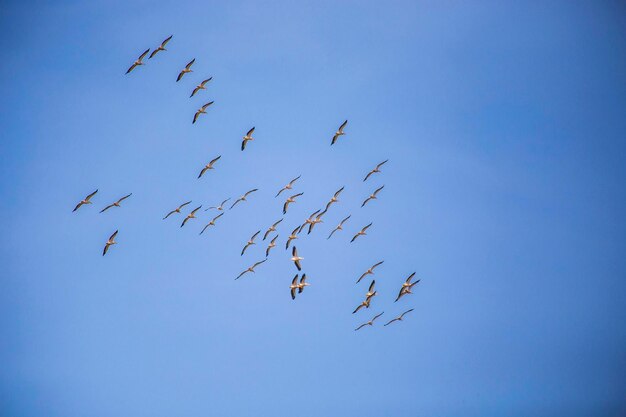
x=195, y=90
x=281, y=190
x=376, y=264
x=180, y=75
x=297, y=262
x=382, y=163
x=169, y=214
x=235, y=203
x=293, y=293
x=366, y=200
x=217, y=217
x=166, y=41
x=107, y=207
x=366, y=227
x=408, y=311
x=346, y=219
x=285, y=206
x=255, y=235
x=390, y=321
x=205, y=169
x=276, y=224
x=215, y=160
x=331, y=233
x=207, y=225
x=377, y=316
x=206, y=81
x=190, y=63
x=400, y=294
x=196, y=209
x=294, y=180
x=184, y=221
x=368, y=175
x=338, y=192
x=112, y=237
x=335, y=136
x=244, y=249
x=361, y=277
x=343, y=125
x=258, y=263
x=371, y=287
x=274, y=240
x=132, y=67
x=250, y=192
x=153, y=53
x=124, y=198
x=355, y=236
x=296, y=195
x=195, y=117
x=207, y=105
x=358, y=308
x=184, y=204
x=91, y=195
x=239, y=276
x=361, y=326
x=378, y=189
x=225, y=201
x=250, y=132
x=106, y=248
x=142, y=56
x=408, y=280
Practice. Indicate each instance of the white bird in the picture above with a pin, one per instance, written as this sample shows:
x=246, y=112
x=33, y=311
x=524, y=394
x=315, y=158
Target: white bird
x=250, y=242
x=86, y=200
x=361, y=232
x=309, y=220
x=116, y=204
x=243, y=198
x=369, y=323
x=209, y=166
x=399, y=318
x=370, y=290
x=365, y=303
x=302, y=284
x=139, y=61
x=290, y=200
x=271, y=229
x=316, y=220
x=220, y=207
x=295, y=258
x=110, y=242
x=186, y=69
x=212, y=222
x=339, y=226
x=407, y=286
x=334, y=198
x=176, y=210
x=161, y=47
x=299, y=286
x=292, y=236
x=372, y=196
x=338, y=133
x=200, y=86
x=247, y=138
x=191, y=215
x=201, y=110
x=369, y=271
x=288, y=186
x=375, y=170
x=270, y=246
x=251, y=269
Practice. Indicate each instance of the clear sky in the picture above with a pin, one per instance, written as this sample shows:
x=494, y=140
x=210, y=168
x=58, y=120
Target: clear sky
x=504, y=124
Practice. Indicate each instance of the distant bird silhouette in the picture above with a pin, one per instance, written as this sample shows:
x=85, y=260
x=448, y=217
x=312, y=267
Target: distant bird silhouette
x=295, y=258
x=365, y=303
x=290, y=200
x=209, y=166
x=369, y=271
x=339, y=226
x=339, y=132
x=243, y=197
x=369, y=323
x=191, y=215
x=247, y=138
x=251, y=269
x=292, y=236
x=161, y=47
x=139, y=61
x=375, y=170
x=250, y=242
x=372, y=196
x=201, y=110
x=271, y=229
x=185, y=70
x=201, y=86
x=361, y=232
x=116, y=204
x=86, y=200
x=399, y=318
x=176, y=210
x=212, y=222
x=270, y=246
x=407, y=286
x=220, y=207
x=110, y=242
x=288, y=186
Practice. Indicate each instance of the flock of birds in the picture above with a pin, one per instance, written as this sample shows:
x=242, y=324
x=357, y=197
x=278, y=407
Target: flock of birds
x=298, y=283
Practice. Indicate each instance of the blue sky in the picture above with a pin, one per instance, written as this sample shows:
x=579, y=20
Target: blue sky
x=504, y=126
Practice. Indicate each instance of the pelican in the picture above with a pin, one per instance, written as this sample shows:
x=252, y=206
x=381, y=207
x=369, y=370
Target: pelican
x=407, y=286
x=247, y=138
x=200, y=86
x=309, y=220
x=361, y=232
x=338, y=133
x=270, y=246
x=302, y=284
x=191, y=215
x=375, y=170
x=293, y=287
x=212, y=222
x=116, y=204
x=365, y=303
x=271, y=229
x=290, y=200
x=139, y=61
x=176, y=210
x=370, y=290
x=110, y=242
x=369, y=323
x=372, y=196
x=292, y=236
x=369, y=271
x=201, y=110
x=250, y=242
x=86, y=200
x=339, y=226
x=288, y=186
x=220, y=207
x=318, y=219
x=251, y=269
x=399, y=318
x=161, y=47
x=243, y=197
x=209, y=166
x=186, y=69
x=295, y=258
x=334, y=198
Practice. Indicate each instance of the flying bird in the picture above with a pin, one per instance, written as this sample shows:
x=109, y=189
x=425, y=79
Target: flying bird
x=339, y=226
x=250, y=242
x=375, y=170
x=271, y=229
x=200, y=86
x=176, y=210
x=338, y=133
x=295, y=258
x=139, y=61
x=369, y=323
x=370, y=290
x=290, y=200
x=334, y=198
x=288, y=186
x=369, y=271
x=243, y=198
x=186, y=69
x=212, y=222
x=251, y=269
x=209, y=166
x=201, y=110
x=110, y=242
x=298, y=286
x=361, y=232
x=116, y=204
x=316, y=220
x=161, y=47
x=191, y=215
x=292, y=236
x=270, y=246
x=309, y=220
x=247, y=138
x=365, y=303
x=372, y=196
x=220, y=207
x=302, y=284
x=407, y=286
x=399, y=318
x=86, y=200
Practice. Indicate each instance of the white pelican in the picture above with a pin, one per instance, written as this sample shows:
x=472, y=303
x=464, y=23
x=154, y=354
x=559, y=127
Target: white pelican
x=290, y=200
x=375, y=170
x=292, y=236
x=116, y=204
x=110, y=242
x=201, y=110
x=407, y=286
x=369, y=323
x=209, y=166
x=372, y=196
x=365, y=303
x=339, y=226
x=369, y=271
x=295, y=258
x=293, y=287
x=288, y=186
x=220, y=207
x=139, y=61
x=271, y=229
x=334, y=198
x=313, y=222
x=361, y=232
x=251, y=269
x=247, y=138
x=161, y=47
x=212, y=222
x=250, y=242
x=86, y=200
x=338, y=133
x=191, y=215
x=200, y=86
x=270, y=246
x=399, y=318
x=243, y=197
x=176, y=210
x=370, y=290
x=186, y=69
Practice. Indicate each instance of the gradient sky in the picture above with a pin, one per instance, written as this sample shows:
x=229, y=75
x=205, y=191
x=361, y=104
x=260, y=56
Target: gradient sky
x=504, y=123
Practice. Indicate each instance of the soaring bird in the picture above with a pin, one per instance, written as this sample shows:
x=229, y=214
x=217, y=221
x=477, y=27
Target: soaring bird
x=191, y=215
x=334, y=198
x=201, y=110
x=200, y=86
x=209, y=166
x=372, y=196
x=139, y=61
x=407, y=286
x=212, y=222
x=369, y=323
x=294, y=286
x=399, y=318
x=247, y=138
x=86, y=200
x=250, y=242
x=369, y=271
x=251, y=269
x=375, y=170
x=271, y=229
x=295, y=258
x=338, y=133
x=176, y=210
x=110, y=242
x=186, y=69
x=288, y=186
x=316, y=220
x=292, y=236
x=116, y=204
x=365, y=303
x=339, y=226
x=361, y=232
x=161, y=47
x=243, y=197
x=309, y=220
x=220, y=207
x=302, y=284
x=290, y=200
x=270, y=246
